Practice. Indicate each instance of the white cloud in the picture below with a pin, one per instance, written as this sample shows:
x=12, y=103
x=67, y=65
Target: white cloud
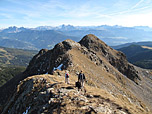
x=133, y=19
x=5, y=16
x=87, y=12
x=137, y=4
x=139, y=19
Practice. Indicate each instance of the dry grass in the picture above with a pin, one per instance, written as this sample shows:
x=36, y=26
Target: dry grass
x=98, y=78
x=146, y=47
x=118, y=99
x=2, y=50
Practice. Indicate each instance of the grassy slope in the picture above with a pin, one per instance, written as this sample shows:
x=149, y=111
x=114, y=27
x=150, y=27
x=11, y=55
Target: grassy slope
x=99, y=78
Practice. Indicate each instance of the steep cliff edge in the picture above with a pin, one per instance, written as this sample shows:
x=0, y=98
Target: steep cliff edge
x=105, y=68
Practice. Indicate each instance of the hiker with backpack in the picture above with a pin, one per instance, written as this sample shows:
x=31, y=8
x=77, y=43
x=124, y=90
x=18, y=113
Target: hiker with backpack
x=67, y=77
x=81, y=78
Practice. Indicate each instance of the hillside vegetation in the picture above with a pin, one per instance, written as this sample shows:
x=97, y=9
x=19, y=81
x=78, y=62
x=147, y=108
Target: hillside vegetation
x=139, y=55
x=13, y=62
x=7, y=73
x=15, y=57
x=147, y=44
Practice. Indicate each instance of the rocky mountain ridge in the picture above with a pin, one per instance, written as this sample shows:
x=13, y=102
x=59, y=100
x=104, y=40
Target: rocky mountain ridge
x=105, y=68
x=42, y=95
x=90, y=46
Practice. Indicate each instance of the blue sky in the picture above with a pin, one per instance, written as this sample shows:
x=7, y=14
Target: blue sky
x=33, y=13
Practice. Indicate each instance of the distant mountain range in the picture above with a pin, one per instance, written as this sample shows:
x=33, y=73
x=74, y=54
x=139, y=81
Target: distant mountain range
x=47, y=36
x=32, y=39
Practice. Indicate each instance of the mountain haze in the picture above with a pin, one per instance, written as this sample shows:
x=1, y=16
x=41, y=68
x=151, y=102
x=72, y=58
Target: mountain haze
x=32, y=39
x=36, y=38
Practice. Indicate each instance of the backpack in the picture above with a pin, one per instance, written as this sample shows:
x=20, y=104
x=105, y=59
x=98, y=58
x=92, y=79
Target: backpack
x=78, y=84
x=67, y=75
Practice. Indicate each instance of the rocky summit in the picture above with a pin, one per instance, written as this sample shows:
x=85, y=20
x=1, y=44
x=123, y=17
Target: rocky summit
x=113, y=85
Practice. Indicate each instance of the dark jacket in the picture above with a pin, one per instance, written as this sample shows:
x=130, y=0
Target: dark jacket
x=81, y=76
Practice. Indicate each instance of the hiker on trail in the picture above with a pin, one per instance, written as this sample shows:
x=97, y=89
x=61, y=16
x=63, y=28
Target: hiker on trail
x=67, y=77
x=81, y=78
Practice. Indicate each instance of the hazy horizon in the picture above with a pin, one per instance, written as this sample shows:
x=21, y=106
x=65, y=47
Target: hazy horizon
x=31, y=13
x=68, y=25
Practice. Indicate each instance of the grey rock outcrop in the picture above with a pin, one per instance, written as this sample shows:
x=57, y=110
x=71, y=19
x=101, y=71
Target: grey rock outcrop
x=36, y=95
